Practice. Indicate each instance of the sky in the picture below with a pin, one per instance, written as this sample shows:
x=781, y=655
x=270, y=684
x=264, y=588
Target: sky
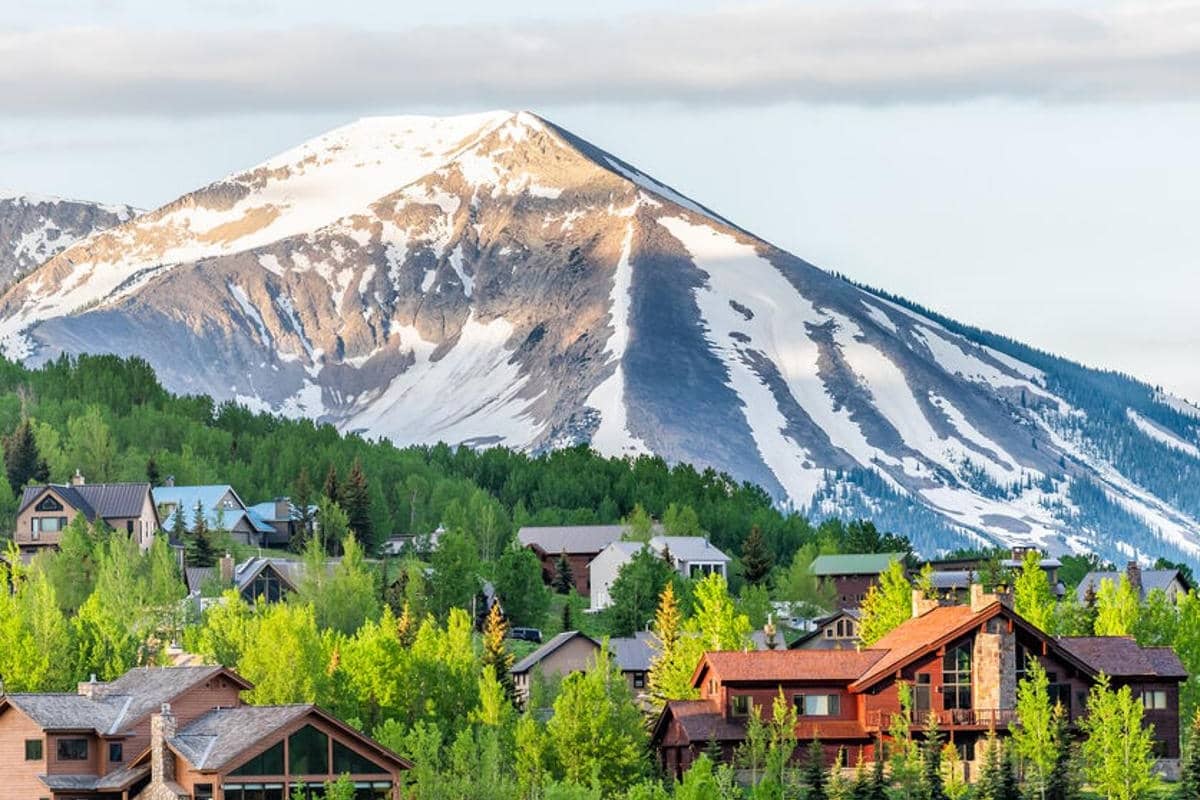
x=1031, y=169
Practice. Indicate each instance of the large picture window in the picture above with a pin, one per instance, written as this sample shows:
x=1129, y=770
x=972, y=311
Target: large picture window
x=267, y=586
x=48, y=503
x=347, y=760
x=268, y=762
x=308, y=752
x=48, y=524
x=956, y=677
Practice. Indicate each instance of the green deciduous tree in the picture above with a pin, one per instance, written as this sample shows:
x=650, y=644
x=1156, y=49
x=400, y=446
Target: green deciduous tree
x=1116, y=608
x=1034, y=737
x=596, y=732
x=518, y=581
x=1118, y=754
x=1033, y=598
x=887, y=605
x=455, y=573
x=636, y=590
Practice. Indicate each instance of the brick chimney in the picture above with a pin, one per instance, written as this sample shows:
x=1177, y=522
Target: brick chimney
x=88, y=688
x=77, y=479
x=922, y=604
x=162, y=762
x=1133, y=571
x=981, y=599
x=283, y=508
x=226, y=569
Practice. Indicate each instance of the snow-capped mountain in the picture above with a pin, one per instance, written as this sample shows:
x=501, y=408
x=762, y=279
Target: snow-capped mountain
x=495, y=279
x=35, y=228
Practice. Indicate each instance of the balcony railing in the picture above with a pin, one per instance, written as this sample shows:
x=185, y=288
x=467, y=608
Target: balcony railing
x=948, y=718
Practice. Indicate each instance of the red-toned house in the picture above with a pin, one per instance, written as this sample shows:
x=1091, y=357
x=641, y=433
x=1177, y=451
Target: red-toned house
x=176, y=733
x=963, y=663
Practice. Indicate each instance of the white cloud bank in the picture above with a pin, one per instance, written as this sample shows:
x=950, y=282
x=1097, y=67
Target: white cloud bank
x=822, y=52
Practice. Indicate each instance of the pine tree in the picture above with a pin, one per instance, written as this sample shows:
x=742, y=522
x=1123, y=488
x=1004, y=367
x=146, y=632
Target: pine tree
x=1062, y=784
x=355, y=500
x=197, y=544
x=22, y=463
x=564, y=576
x=568, y=624
x=1010, y=787
x=879, y=782
x=495, y=654
x=988, y=786
x=332, y=489
x=932, y=785
x=302, y=501
x=814, y=771
x=152, y=473
x=757, y=558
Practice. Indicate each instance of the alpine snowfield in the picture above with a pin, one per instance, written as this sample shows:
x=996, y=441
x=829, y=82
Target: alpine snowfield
x=494, y=279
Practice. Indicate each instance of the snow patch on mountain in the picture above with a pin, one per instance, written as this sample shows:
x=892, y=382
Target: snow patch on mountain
x=1161, y=434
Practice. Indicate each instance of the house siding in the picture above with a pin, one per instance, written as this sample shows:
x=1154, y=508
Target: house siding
x=20, y=781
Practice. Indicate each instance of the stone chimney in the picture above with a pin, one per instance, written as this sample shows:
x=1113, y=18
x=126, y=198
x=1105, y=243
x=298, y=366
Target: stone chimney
x=77, y=479
x=170, y=481
x=226, y=569
x=283, y=508
x=922, y=604
x=1133, y=571
x=981, y=599
x=162, y=762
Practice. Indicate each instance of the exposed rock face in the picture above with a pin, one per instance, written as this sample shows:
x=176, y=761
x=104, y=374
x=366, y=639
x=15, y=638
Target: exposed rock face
x=494, y=279
x=34, y=229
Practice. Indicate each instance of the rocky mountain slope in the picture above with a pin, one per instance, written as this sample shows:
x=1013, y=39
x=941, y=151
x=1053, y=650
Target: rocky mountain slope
x=35, y=228
x=495, y=279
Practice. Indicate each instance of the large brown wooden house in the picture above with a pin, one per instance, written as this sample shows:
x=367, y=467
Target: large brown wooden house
x=962, y=663
x=170, y=733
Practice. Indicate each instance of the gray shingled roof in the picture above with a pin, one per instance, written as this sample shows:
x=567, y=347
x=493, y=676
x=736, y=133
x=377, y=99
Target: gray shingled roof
x=106, y=500
x=558, y=640
x=68, y=711
x=689, y=548
x=1121, y=657
x=121, y=779
x=573, y=538
x=69, y=783
x=219, y=736
x=633, y=653
x=1151, y=579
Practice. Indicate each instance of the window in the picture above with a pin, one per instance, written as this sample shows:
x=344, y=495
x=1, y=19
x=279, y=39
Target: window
x=47, y=525
x=956, y=677
x=639, y=680
x=818, y=705
x=116, y=752
x=739, y=705
x=921, y=695
x=33, y=749
x=202, y=791
x=48, y=503
x=72, y=749
x=268, y=762
x=966, y=750
x=1022, y=663
x=704, y=570
x=346, y=760
x=1059, y=693
x=267, y=586
x=257, y=791
x=829, y=632
x=308, y=752
x=1155, y=700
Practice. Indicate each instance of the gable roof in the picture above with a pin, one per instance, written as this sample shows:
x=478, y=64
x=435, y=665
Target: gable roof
x=633, y=653
x=217, y=738
x=554, y=539
x=209, y=497
x=689, y=548
x=917, y=635
x=786, y=665
x=1151, y=579
x=106, y=500
x=118, y=704
x=853, y=563
x=537, y=656
x=1122, y=657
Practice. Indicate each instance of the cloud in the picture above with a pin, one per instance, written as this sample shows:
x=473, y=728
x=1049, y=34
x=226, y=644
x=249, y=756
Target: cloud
x=756, y=55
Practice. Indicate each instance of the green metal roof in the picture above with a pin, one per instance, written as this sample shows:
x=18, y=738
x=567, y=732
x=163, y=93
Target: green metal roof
x=853, y=563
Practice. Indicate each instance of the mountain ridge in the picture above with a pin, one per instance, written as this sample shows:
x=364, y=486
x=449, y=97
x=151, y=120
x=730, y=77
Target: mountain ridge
x=495, y=279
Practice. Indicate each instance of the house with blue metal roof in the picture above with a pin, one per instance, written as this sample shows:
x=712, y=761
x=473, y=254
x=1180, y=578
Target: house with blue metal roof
x=222, y=508
x=284, y=518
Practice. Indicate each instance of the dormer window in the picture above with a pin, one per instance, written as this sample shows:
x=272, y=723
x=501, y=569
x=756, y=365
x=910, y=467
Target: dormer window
x=739, y=705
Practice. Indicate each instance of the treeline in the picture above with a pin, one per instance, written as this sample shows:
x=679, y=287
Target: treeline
x=109, y=418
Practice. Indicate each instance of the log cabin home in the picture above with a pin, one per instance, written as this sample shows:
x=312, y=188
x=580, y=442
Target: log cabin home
x=962, y=664
x=46, y=510
x=180, y=733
